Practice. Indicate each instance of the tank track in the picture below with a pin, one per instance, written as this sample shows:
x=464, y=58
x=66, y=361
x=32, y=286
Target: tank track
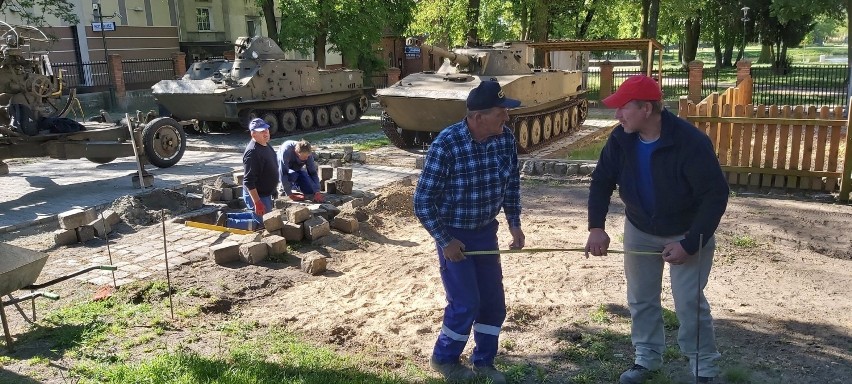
x=530, y=129
x=535, y=124
x=293, y=116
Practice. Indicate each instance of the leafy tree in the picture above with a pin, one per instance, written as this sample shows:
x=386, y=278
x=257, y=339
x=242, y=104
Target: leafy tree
x=353, y=27
x=34, y=12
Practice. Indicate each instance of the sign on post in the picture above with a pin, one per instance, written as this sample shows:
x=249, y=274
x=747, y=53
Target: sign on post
x=105, y=26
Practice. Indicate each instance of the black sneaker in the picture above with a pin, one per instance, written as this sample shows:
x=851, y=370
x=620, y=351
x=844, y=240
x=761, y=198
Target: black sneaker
x=637, y=374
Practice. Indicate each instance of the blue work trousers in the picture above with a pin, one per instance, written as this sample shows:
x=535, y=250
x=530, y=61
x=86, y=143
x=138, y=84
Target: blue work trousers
x=475, y=299
x=301, y=179
x=249, y=220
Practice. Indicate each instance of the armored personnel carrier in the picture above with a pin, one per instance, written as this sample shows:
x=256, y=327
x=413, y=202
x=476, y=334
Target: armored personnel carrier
x=422, y=104
x=33, y=123
x=260, y=82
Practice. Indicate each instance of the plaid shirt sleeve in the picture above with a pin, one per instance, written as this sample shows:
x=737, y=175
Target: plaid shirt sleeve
x=512, y=198
x=429, y=188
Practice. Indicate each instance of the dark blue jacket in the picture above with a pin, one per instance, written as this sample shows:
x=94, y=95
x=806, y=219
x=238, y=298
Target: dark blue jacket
x=690, y=188
x=261, y=169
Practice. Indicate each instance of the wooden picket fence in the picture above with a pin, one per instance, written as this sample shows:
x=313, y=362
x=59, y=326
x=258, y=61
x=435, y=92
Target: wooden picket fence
x=788, y=147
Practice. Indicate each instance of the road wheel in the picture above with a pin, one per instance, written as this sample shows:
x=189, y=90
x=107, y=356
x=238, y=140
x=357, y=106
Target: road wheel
x=100, y=160
x=547, y=128
x=163, y=141
x=535, y=131
x=351, y=111
x=335, y=114
x=245, y=116
x=270, y=119
x=322, y=117
x=557, y=123
x=363, y=104
x=306, y=118
x=289, y=122
x=523, y=134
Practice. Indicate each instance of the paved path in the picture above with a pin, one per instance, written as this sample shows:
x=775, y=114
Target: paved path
x=35, y=192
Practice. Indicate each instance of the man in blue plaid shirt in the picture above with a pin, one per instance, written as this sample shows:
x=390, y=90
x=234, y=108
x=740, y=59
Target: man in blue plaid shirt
x=471, y=171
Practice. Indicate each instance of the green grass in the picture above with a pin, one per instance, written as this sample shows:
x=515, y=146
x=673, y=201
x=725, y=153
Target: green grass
x=592, y=151
x=744, y=241
x=670, y=321
x=600, y=315
x=371, y=144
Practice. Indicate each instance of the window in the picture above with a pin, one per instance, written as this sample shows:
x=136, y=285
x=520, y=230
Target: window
x=251, y=27
x=202, y=19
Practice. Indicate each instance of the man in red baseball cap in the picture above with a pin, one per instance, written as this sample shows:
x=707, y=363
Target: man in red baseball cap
x=674, y=194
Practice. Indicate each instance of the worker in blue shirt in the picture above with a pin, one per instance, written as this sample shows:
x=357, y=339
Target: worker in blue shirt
x=296, y=167
x=674, y=195
x=470, y=173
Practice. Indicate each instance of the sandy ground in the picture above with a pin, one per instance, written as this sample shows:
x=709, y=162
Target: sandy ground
x=782, y=306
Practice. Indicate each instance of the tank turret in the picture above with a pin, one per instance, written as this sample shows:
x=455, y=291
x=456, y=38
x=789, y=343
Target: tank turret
x=422, y=104
x=261, y=82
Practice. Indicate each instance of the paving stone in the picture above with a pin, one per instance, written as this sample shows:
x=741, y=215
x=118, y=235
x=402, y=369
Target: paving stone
x=101, y=226
x=85, y=233
x=253, y=252
x=345, y=224
x=316, y=227
x=100, y=280
x=277, y=244
x=325, y=172
x=128, y=267
x=225, y=252
x=64, y=237
x=142, y=275
x=272, y=221
x=112, y=218
x=123, y=282
x=72, y=219
x=238, y=178
x=344, y=187
x=343, y=173
x=314, y=264
x=298, y=214
x=292, y=232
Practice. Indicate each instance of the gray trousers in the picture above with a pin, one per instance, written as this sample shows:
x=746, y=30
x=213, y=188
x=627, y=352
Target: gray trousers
x=644, y=275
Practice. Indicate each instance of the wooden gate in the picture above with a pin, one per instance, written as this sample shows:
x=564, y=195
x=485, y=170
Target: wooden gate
x=804, y=148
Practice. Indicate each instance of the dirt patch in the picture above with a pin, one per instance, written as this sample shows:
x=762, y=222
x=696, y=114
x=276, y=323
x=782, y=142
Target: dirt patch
x=779, y=290
x=151, y=207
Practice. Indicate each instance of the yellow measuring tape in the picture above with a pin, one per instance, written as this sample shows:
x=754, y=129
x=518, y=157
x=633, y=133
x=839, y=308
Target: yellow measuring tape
x=539, y=250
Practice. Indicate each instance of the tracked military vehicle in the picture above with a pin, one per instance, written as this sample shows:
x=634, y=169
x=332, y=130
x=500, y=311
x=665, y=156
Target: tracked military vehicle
x=32, y=118
x=422, y=104
x=260, y=82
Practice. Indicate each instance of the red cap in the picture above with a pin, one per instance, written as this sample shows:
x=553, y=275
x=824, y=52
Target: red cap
x=639, y=87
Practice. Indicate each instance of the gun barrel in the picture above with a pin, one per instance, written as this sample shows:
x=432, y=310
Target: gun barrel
x=459, y=59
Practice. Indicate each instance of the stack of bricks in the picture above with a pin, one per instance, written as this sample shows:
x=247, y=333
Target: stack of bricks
x=79, y=225
x=251, y=248
x=336, y=180
x=223, y=190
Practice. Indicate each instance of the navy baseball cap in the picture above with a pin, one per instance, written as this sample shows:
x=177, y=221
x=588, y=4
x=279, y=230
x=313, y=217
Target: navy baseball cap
x=487, y=95
x=257, y=124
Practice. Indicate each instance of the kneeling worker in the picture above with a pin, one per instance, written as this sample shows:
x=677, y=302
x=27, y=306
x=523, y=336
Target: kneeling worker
x=260, y=180
x=296, y=167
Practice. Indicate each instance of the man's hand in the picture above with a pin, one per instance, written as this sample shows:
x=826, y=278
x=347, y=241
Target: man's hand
x=453, y=250
x=296, y=196
x=598, y=242
x=518, y=238
x=674, y=254
x=259, y=208
x=318, y=197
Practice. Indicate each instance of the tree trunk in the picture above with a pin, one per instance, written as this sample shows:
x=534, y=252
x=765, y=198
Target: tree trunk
x=692, y=30
x=728, y=55
x=472, y=20
x=584, y=27
x=650, y=29
x=643, y=26
x=269, y=17
x=538, y=29
x=766, y=54
x=717, y=49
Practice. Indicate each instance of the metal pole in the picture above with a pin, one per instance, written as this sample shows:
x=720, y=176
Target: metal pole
x=166, y=254
x=698, y=305
x=106, y=58
x=109, y=253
